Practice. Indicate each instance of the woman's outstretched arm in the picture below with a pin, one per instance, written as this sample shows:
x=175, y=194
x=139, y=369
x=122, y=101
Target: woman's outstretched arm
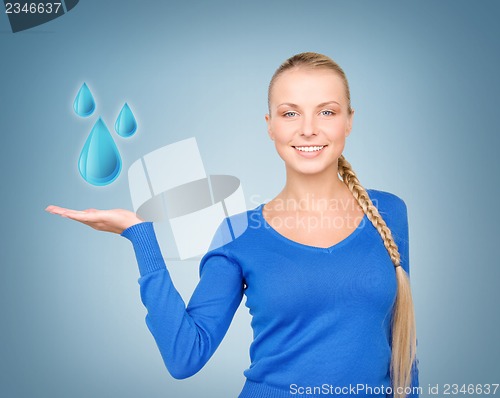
x=186, y=336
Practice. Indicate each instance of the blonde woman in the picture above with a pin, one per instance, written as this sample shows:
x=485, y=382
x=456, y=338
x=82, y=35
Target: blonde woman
x=324, y=265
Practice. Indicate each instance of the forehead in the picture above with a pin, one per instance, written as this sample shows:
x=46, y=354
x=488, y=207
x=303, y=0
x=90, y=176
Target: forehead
x=300, y=84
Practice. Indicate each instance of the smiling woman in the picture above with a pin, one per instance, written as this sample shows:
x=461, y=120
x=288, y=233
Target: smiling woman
x=324, y=265
x=310, y=116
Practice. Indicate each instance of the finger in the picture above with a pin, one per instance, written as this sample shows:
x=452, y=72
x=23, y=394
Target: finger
x=87, y=217
x=56, y=209
x=78, y=215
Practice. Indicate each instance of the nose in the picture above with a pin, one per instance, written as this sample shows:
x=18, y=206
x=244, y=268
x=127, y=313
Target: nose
x=308, y=126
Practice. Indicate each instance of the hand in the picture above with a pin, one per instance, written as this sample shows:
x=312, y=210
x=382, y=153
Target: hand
x=116, y=220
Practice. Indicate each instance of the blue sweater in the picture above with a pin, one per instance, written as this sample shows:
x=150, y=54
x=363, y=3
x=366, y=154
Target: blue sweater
x=320, y=316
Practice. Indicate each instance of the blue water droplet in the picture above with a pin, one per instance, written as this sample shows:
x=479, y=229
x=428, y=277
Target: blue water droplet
x=100, y=162
x=125, y=124
x=84, y=104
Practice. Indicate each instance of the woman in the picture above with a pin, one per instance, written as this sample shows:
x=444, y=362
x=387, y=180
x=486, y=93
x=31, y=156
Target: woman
x=324, y=265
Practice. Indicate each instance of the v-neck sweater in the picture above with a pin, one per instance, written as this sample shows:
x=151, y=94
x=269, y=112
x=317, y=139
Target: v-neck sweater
x=320, y=316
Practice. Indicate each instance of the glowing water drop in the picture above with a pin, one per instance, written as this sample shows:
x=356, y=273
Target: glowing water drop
x=100, y=162
x=84, y=104
x=126, y=125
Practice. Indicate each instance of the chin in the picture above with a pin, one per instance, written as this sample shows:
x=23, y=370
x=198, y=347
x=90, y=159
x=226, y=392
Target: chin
x=313, y=169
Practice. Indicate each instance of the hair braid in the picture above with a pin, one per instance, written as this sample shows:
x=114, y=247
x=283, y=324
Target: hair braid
x=403, y=318
x=360, y=194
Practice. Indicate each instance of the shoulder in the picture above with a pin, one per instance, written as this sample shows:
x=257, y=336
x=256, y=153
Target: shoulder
x=234, y=228
x=388, y=203
x=229, y=237
x=393, y=210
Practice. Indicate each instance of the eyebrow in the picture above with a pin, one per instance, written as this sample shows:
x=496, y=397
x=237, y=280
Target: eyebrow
x=319, y=106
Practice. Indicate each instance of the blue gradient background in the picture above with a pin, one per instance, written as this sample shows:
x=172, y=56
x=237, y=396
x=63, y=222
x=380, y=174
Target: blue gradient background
x=425, y=81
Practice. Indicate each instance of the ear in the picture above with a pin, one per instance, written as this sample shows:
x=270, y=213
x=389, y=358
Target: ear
x=269, y=131
x=349, y=124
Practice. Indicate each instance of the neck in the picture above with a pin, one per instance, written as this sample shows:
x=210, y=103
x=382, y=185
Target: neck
x=312, y=192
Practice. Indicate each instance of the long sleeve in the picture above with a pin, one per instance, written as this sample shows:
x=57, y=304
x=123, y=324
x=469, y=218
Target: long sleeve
x=186, y=336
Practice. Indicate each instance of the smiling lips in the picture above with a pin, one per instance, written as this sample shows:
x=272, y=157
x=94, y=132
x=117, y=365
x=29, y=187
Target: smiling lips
x=309, y=151
x=310, y=148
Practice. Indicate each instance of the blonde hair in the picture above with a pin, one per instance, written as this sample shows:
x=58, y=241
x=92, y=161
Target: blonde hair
x=311, y=61
x=403, y=318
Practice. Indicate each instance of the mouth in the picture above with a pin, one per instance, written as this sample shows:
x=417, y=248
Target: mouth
x=309, y=151
x=309, y=148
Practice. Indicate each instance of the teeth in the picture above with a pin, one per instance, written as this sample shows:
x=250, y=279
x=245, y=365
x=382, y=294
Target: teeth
x=309, y=148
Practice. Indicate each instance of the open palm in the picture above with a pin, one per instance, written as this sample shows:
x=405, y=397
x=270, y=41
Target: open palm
x=115, y=220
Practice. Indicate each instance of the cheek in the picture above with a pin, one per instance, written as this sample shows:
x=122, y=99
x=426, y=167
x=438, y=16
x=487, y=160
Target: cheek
x=283, y=150
x=282, y=132
x=337, y=129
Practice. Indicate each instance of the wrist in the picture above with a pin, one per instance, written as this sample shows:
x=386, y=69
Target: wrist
x=129, y=224
x=132, y=226
x=147, y=250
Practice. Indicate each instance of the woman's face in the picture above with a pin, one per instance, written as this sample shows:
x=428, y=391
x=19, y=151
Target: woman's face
x=309, y=119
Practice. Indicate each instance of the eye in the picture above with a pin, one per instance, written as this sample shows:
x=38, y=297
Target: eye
x=290, y=114
x=327, y=112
